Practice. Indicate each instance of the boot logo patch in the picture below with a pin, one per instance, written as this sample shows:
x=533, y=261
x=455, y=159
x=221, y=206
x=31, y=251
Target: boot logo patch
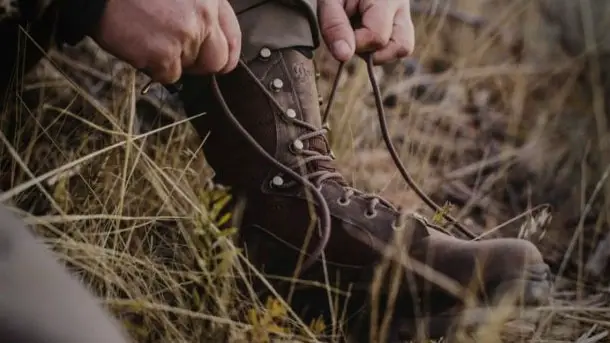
x=301, y=72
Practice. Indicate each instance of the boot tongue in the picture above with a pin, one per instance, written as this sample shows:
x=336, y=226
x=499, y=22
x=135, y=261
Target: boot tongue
x=320, y=144
x=306, y=90
x=311, y=115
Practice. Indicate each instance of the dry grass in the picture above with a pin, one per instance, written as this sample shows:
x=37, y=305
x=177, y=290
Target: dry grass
x=126, y=201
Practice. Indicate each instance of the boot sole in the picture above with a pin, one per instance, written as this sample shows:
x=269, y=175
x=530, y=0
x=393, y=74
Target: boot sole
x=509, y=298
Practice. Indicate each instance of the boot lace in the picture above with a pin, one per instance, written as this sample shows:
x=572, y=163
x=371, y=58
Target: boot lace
x=317, y=176
x=313, y=180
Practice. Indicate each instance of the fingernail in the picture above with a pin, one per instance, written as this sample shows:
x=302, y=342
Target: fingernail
x=341, y=49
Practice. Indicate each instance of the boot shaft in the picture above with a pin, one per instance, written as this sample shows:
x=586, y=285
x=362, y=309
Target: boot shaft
x=277, y=102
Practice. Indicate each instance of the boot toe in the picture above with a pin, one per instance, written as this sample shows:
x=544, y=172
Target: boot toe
x=520, y=249
x=533, y=288
x=501, y=266
x=520, y=275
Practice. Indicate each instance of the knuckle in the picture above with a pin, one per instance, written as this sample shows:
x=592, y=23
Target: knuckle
x=378, y=39
x=164, y=62
x=204, y=14
x=164, y=66
x=189, y=28
x=333, y=27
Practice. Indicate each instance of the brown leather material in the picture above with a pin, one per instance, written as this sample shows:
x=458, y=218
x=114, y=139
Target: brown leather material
x=478, y=266
x=284, y=211
x=492, y=260
x=274, y=99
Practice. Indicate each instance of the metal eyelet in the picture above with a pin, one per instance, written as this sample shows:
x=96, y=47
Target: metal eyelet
x=290, y=113
x=370, y=214
x=276, y=181
x=297, y=146
x=343, y=201
x=264, y=54
x=277, y=85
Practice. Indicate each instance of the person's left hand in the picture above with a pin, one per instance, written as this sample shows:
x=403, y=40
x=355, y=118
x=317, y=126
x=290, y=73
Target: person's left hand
x=386, y=28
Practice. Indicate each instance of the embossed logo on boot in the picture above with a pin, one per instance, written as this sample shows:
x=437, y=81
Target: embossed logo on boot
x=301, y=72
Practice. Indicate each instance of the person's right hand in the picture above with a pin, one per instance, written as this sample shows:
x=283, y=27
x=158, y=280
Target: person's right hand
x=165, y=38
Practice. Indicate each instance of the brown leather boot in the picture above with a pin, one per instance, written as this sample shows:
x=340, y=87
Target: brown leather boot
x=274, y=98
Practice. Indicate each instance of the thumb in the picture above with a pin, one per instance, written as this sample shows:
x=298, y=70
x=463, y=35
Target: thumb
x=336, y=29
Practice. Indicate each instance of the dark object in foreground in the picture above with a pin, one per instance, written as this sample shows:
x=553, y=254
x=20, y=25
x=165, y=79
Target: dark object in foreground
x=39, y=301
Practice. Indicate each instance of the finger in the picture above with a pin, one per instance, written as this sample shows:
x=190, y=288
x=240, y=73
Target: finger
x=405, y=31
x=191, y=34
x=336, y=29
x=232, y=32
x=213, y=53
x=388, y=54
x=402, y=40
x=163, y=66
x=376, y=30
x=350, y=7
x=167, y=73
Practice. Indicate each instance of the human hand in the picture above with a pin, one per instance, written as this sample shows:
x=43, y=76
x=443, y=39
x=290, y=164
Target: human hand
x=386, y=28
x=165, y=38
